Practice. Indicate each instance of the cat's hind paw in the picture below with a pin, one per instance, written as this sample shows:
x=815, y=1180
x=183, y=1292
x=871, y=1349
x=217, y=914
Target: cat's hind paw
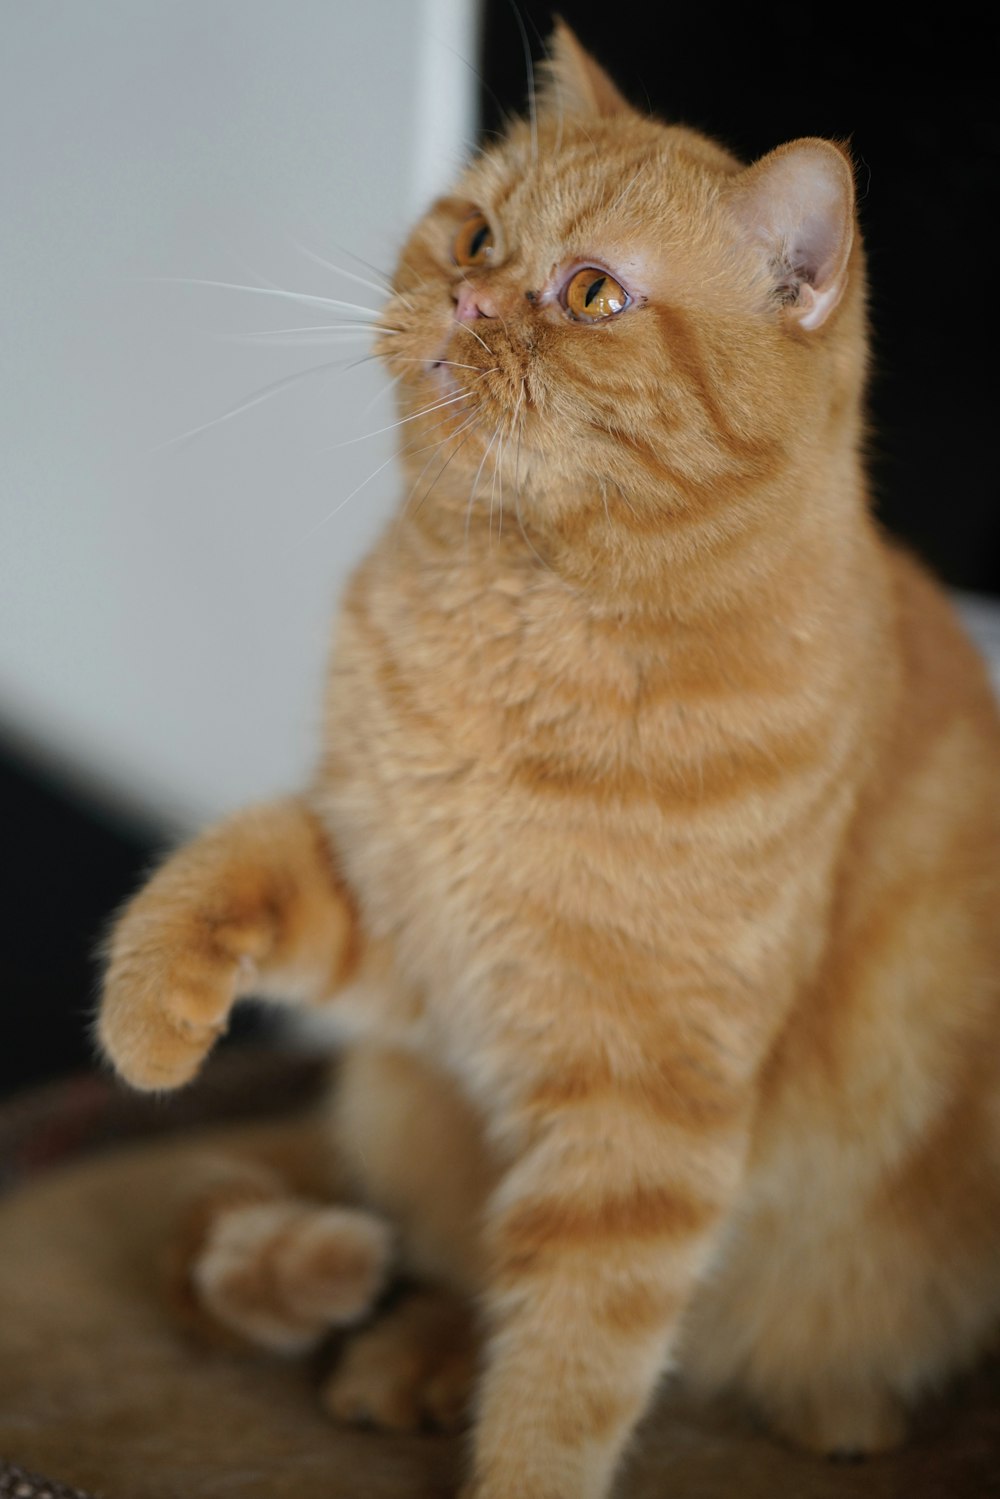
x=412, y=1370
x=282, y=1274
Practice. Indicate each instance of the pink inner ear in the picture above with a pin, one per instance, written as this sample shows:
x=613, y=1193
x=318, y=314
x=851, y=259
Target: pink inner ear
x=798, y=203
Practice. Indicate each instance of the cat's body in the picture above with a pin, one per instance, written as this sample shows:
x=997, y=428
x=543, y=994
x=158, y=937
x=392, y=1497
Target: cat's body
x=660, y=817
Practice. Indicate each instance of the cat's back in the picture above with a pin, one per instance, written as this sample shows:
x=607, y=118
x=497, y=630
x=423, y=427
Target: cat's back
x=944, y=672
x=930, y=799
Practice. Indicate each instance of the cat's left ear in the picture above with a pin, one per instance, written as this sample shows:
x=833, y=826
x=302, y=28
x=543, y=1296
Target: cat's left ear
x=797, y=205
x=573, y=83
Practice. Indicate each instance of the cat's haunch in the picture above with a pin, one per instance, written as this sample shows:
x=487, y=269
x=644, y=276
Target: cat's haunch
x=654, y=845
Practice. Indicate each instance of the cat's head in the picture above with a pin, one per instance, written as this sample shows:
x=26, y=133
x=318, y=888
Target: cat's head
x=609, y=305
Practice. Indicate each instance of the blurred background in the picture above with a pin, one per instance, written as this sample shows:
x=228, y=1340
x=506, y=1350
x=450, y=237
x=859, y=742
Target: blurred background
x=181, y=496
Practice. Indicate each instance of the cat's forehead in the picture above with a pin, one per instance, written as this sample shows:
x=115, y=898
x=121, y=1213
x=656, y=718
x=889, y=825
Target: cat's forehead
x=566, y=186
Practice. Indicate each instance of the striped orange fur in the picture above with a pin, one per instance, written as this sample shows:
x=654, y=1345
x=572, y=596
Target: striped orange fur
x=656, y=809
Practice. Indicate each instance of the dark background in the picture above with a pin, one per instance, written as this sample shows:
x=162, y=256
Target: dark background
x=914, y=99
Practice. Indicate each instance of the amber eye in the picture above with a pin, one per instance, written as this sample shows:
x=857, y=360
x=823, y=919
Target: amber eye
x=592, y=294
x=474, y=241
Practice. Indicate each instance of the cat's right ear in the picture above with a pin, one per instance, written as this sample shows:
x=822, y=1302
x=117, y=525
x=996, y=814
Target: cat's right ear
x=796, y=205
x=573, y=84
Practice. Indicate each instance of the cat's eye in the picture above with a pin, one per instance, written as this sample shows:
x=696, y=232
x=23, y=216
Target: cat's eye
x=592, y=294
x=474, y=241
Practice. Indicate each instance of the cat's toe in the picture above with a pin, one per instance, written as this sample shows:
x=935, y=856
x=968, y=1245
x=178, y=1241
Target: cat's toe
x=335, y=1265
x=411, y=1370
x=373, y=1398
x=282, y=1273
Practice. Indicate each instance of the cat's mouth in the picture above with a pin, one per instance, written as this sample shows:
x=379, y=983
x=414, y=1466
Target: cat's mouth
x=439, y=365
x=450, y=353
x=456, y=377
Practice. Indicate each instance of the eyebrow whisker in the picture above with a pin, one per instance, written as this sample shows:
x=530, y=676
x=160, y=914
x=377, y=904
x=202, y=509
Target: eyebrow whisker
x=350, y=275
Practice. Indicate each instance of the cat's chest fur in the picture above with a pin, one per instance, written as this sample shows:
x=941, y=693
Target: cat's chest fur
x=508, y=770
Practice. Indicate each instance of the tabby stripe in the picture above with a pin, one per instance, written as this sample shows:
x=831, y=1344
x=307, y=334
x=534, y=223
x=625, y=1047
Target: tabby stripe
x=595, y=1413
x=705, y=781
x=533, y=1230
x=398, y=692
x=682, y=341
x=705, y=495
x=700, y=1106
x=633, y=1307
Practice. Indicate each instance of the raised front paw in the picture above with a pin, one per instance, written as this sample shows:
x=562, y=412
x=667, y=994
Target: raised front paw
x=173, y=973
x=259, y=892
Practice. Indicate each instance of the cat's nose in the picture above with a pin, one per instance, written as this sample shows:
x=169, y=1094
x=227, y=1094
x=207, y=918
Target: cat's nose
x=473, y=302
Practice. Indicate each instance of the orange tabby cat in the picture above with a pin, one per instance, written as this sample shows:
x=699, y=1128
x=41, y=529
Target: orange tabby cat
x=657, y=813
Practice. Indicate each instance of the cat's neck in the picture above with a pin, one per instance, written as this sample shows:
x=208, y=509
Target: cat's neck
x=637, y=556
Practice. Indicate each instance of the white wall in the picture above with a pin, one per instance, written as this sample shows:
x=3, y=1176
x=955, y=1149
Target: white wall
x=164, y=609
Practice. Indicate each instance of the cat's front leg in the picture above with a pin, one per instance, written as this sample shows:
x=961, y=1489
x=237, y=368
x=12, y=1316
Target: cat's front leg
x=255, y=904
x=598, y=1236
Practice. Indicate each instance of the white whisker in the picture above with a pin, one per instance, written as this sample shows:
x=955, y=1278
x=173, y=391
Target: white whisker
x=493, y=489
x=382, y=391
x=263, y=394
x=435, y=449
x=408, y=449
x=308, y=298
x=619, y=197
x=339, y=270
x=499, y=529
x=357, y=489
x=480, y=80
x=317, y=328
x=453, y=363
x=517, y=489
x=475, y=335
x=424, y=411
x=559, y=96
x=530, y=70
x=346, y=500
x=474, y=422
x=475, y=483
x=300, y=338
x=383, y=276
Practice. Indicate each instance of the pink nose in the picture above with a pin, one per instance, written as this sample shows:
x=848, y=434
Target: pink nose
x=473, y=302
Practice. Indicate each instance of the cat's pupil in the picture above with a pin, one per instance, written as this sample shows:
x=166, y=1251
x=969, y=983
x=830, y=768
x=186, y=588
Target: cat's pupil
x=476, y=243
x=593, y=289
